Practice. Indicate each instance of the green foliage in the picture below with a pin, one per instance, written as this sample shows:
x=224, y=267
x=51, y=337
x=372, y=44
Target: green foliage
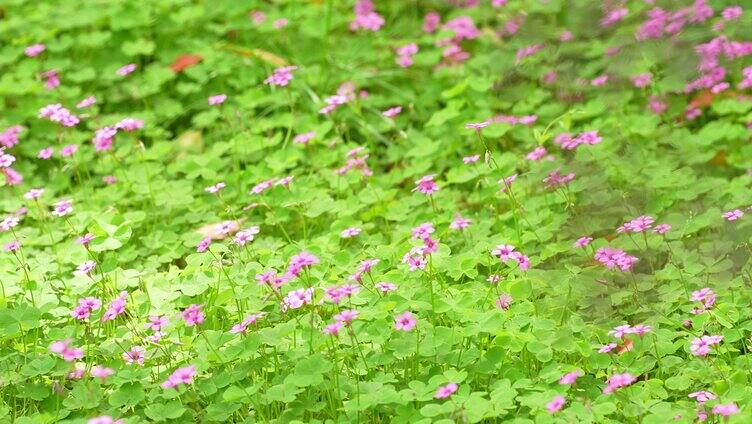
x=187, y=334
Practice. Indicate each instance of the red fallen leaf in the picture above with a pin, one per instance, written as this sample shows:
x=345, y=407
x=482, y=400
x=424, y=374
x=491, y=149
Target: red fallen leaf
x=719, y=159
x=703, y=99
x=626, y=346
x=185, y=61
x=706, y=97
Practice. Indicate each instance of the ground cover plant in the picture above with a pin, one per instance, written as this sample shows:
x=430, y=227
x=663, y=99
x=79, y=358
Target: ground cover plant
x=462, y=211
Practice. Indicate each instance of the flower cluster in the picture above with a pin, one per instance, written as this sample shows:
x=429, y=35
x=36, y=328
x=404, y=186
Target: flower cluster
x=613, y=258
x=568, y=141
x=366, y=18
x=507, y=252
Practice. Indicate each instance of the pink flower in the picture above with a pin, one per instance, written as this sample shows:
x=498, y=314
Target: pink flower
x=615, y=258
x=257, y=17
x=620, y=331
x=203, y=244
x=10, y=136
x=706, y=296
x=157, y=322
x=85, y=307
x=415, y=258
x=129, y=124
x=281, y=76
x=242, y=327
x=618, y=381
x=503, y=251
x=34, y=50
x=733, y=215
x=459, y=223
x=215, y=188
x=333, y=329
x=85, y=268
x=537, y=154
x=522, y=261
x=285, y=181
x=300, y=261
x=365, y=17
x=43, y=154
x=720, y=87
x=607, y=348
x=101, y=372
x=12, y=178
x=346, y=317
x=463, y=27
x=297, y=299
x=642, y=80
x=64, y=348
x=53, y=79
x=77, y=373
x=732, y=13
x=423, y=231
x=702, y=396
x=350, y=232
x=336, y=293
x=134, y=356
x=656, y=105
x=726, y=410
x=599, y=81
x=470, y=159
x=641, y=329
x=566, y=36
x=83, y=104
x=68, y=150
x=446, y=391
x=12, y=246
x=109, y=179
x=614, y=16
x=180, y=376
x=116, y=307
x=103, y=138
x=701, y=346
x=245, y=236
x=556, y=404
x=405, y=322
x=385, y=287
x=527, y=51
x=431, y=22
x=405, y=54
x=193, y=315
x=262, y=186
x=304, y=138
x=280, y=23
x=8, y=223
x=571, y=377
x=637, y=225
x=692, y=113
x=126, y=69
x=583, y=241
x=555, y=179
x=392, y=112
x=217, y=99
x=6, y=160
x=506, y=183
x=662, y=228
x=504, y=301
x=426, y=185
